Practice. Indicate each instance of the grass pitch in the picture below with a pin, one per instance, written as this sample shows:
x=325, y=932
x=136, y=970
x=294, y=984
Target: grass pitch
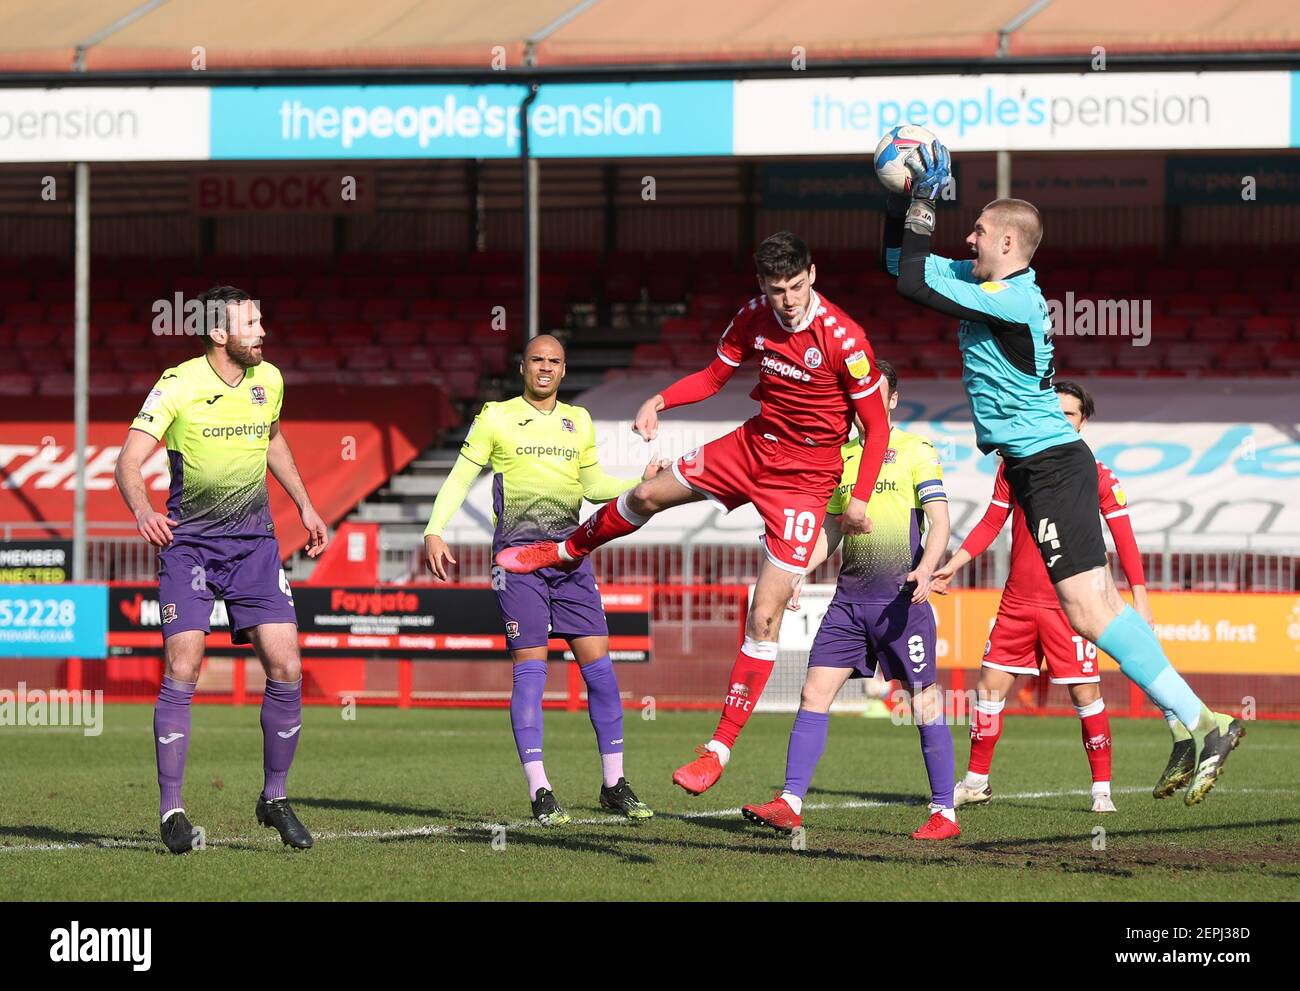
x=404, y=805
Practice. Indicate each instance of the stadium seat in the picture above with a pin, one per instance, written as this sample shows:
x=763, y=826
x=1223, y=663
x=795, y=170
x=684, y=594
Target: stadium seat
x=351, y=334
x=1134, y=359
x=1266, y=328
x=652, y=356
x=1237, y=304
x=1284, y=358
x=1214, y=329
x=399, y=333
x=1237, y=358
x=1167, y=327
x=1189, y=357
x=136, y=359
x=318, y=358
x=1192, y=304
x=445, y=332
x=338, y=309
x=494, y=356
x=382, y=310
x=412, y=286
x=24, y=311
x=682, y=329
x=305, y=335
x=457, y=285
x=365, y=358
x=692, y=356
x=429, y=309
x=289, y=310
x=17, y=384
x=43, y=362
x=14, y=290
x=1166, y=280
x=57, y=384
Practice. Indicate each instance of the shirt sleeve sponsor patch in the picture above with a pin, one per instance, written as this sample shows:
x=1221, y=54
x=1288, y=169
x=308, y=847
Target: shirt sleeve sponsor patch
x=859, y=365
x=993, y=287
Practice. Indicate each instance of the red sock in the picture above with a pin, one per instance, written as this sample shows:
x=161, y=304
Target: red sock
x=1096, y=740
x=609, y=522
x=748, y=678
x=985, y=729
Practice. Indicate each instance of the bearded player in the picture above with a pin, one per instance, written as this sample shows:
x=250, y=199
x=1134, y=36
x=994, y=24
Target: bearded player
x=879, y=618
x=815, y=370
x=1031, y=627
x=219, y=415
x=1007, y=370
x=543, y=458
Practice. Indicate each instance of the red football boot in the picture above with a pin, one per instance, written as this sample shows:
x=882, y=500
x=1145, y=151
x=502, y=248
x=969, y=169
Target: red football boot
x=701, y=774
x=937, y=827
x=527, y=558
x=776, y=813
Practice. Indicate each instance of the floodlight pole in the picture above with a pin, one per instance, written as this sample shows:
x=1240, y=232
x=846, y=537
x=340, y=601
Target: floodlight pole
x=81, y=369
x=531, y=226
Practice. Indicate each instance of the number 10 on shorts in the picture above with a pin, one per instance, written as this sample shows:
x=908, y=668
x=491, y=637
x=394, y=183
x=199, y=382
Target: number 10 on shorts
x=800, y=527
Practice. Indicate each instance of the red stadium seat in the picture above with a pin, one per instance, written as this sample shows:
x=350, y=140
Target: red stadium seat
x=494, y=356
x=57, y=384
x=14, y=290
x=399, y=333
x=693, y=356
x=714, y=306
x=459, y=360
x=365, y=358
x=381, y=310
x=351, y=334
x=1167, y=280
x=1189, y=357
x=17, y=384
x=652, y=356
x=1216, y=279
x=1214, y=329
x=296, y=336
x=44, y=362
x=1285, y=303
x=109, y=384
x=1237, y=359
x=1284, y=358
x=1266, y=328
x=429, y=309
x=1192, y=304
x=921, y=330
x=1086, y=354
x=457, y=285
x=338, y=309
x=442, y=332
x=1238, y=304
x=290, y=310
x=682, y=329
x=1135, y=359
x=110, y=311
x=941, y=356
x=1167, y=327
x=21, y=311
x=413, y=359
x=318, y=359
x=1109, y=282
x=412, y=286
x=136, y=359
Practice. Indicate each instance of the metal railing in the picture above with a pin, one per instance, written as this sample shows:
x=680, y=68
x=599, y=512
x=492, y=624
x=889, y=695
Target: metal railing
x=115, y=555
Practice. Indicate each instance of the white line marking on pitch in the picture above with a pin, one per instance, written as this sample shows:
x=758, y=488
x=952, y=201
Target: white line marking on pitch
x=487, y=827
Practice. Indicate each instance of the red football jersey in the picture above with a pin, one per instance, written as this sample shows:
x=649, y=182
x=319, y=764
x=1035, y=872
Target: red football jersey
x=808, y=375
x=1028, y=581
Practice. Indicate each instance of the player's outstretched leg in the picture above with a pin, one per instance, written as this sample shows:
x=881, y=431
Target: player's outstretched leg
x=171, y=733
x=605, y=707
x=1094, y=724
x=526, y=723
x=281, y=730
x=1091, y=602
x=936, y=749
x=1182, y=761
x=613, y=520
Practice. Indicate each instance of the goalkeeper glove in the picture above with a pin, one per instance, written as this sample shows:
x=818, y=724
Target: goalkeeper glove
x=931, y=169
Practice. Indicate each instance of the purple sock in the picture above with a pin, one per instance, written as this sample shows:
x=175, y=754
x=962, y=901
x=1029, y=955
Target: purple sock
x=936, y=748
x=171, y=741
x=605, y=707
x=807, y=741
x=281, y=722
x=526, y=709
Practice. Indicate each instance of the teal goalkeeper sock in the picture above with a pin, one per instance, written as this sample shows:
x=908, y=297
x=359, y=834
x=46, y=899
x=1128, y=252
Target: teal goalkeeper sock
x=1130, y=641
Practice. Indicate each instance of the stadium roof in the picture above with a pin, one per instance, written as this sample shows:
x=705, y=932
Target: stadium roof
x=51, y=36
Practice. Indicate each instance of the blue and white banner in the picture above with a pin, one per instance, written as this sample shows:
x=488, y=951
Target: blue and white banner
x=53, y=620
x=1095, y=111
x=567, y=121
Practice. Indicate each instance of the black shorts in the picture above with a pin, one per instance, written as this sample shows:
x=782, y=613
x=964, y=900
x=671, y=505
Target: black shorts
x=1057, y=489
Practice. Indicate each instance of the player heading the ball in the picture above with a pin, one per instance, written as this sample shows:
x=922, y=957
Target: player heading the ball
x=815, y=369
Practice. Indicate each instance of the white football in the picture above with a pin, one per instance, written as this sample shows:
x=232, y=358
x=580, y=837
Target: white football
x=891, y=156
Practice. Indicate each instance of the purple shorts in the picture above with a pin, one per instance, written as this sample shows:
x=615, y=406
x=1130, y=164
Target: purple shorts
x=245, y=572
x=897, y=636
x=549, y=602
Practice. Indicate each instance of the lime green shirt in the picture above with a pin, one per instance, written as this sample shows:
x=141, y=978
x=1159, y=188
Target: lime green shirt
x=537, y=459
x=874, y=566
x=216, y=436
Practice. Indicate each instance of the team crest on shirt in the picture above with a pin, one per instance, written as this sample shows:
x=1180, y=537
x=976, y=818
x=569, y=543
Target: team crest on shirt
x=169, y=612
x=760, y=343
x=891, y=456
x=512, y=629
x=812, y=358
x=567, y=424
x=259, y=395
